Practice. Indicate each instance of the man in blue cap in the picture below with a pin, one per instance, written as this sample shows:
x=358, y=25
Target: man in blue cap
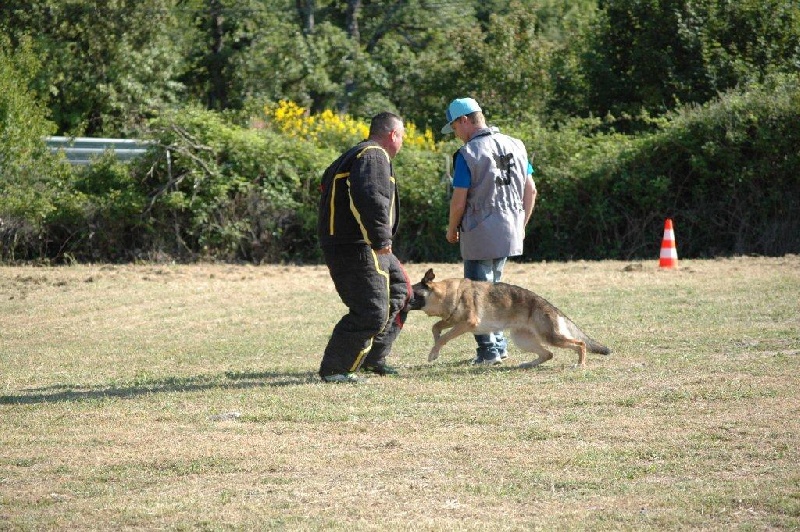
x=493, y=199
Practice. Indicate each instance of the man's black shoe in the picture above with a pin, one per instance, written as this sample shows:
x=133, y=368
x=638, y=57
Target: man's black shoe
x=379, y=369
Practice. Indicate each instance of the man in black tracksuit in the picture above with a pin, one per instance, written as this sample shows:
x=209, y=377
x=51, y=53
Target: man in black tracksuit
x=358, y=216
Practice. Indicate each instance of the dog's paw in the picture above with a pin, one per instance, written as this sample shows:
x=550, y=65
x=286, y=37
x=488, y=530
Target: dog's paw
x=433, y=355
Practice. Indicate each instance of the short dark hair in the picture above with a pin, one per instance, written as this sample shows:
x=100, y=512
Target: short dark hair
x=383, y=123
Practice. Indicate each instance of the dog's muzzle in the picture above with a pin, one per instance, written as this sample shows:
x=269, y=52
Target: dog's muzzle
x=416, y=303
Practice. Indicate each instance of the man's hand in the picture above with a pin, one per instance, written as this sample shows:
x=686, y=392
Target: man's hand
x=384, y=251
x=452, y=235
x=458, y=204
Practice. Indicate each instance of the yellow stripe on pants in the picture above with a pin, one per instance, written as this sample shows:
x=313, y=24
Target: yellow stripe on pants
x=363, y=352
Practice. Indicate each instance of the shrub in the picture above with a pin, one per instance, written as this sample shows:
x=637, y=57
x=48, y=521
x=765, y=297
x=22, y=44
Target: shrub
x=231, y=192
x=418, y=168
x=735, y=171
x=424, y=190
x=728, y=172
x=103, y=221
x=32, y=182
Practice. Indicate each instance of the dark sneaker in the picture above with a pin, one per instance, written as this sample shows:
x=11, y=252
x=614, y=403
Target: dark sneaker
x=487, y=361
x=379, y=369
x=346, y=378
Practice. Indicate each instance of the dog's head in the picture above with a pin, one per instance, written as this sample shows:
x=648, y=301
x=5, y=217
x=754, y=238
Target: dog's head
x=421, y=290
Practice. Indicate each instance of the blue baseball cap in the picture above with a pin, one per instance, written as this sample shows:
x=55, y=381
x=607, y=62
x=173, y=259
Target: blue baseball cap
x=458, y=108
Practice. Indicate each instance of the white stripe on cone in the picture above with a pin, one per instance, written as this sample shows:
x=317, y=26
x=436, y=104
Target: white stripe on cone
x=669, y=253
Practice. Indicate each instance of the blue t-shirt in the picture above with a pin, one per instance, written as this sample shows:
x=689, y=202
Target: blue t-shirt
x=462, y=177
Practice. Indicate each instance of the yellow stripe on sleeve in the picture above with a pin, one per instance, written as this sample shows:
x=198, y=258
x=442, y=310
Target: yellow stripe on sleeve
x=343, y=175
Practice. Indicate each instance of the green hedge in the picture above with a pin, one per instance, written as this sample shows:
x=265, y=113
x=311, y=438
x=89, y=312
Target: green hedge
x=727, y=173
x=733, y=170
x=33, y=184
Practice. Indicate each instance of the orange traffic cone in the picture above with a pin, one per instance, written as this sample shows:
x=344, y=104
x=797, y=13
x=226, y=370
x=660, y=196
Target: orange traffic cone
x=669, y=253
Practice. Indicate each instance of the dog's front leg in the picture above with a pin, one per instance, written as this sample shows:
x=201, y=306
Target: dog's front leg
x=437, y=329
x=441, y=339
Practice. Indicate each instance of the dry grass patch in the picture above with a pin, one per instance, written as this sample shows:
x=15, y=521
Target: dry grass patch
x=148, y=396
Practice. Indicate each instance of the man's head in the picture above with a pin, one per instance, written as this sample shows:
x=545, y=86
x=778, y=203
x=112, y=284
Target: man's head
x=387, y=130
x=464, y=116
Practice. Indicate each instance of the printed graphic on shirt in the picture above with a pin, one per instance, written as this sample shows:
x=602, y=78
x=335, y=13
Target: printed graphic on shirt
x=505, y=162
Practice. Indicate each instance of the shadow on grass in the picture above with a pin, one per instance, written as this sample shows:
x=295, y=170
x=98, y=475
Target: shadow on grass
x=463, y=367
x=232, y=380
x=228, y=380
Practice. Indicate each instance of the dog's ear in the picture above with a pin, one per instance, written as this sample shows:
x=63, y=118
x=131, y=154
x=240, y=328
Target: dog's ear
x=429, y=276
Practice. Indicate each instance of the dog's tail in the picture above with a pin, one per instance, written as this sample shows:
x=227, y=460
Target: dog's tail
x=592, y=345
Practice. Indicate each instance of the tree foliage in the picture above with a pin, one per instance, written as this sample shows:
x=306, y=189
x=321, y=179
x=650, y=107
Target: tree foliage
x=634, y=109
x=108, y=66
x=32, y=183
x=652, y=56
x=105, y=65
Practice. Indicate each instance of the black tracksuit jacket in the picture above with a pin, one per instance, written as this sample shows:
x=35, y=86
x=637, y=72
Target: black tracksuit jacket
x=359, y=202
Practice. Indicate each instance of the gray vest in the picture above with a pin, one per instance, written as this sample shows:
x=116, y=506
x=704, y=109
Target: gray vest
x=493, y=225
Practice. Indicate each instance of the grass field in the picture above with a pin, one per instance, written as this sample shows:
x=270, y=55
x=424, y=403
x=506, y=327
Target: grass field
x=186, y=397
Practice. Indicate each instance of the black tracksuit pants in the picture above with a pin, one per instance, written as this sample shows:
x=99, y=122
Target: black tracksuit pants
x=375, y=289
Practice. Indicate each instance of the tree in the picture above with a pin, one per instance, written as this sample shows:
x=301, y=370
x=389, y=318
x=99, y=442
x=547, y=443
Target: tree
x=510, y=66
x=305, y=12
x=649, y=56
x=30, y=180
x=105, y=65
x=747, y=40
x=219, y=33
x=502, y=61
x=368, y=66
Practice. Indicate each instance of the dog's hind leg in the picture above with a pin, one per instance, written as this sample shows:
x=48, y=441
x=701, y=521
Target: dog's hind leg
x=567, y=336
x=579, y=346
x=529, y=343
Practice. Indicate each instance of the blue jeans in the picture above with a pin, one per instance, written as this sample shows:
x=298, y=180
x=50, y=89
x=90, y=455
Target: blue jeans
x=493, y=344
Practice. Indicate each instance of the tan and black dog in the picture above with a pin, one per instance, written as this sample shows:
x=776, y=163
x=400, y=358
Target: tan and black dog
x=481, y=307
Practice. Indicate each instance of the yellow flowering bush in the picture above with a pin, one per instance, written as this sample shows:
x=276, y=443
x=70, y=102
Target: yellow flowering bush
x=331, y=128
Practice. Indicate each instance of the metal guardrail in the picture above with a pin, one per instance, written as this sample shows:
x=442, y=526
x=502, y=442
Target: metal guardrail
x=82, y=150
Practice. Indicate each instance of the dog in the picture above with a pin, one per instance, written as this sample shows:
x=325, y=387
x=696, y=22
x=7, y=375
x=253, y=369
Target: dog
x=479, y=307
